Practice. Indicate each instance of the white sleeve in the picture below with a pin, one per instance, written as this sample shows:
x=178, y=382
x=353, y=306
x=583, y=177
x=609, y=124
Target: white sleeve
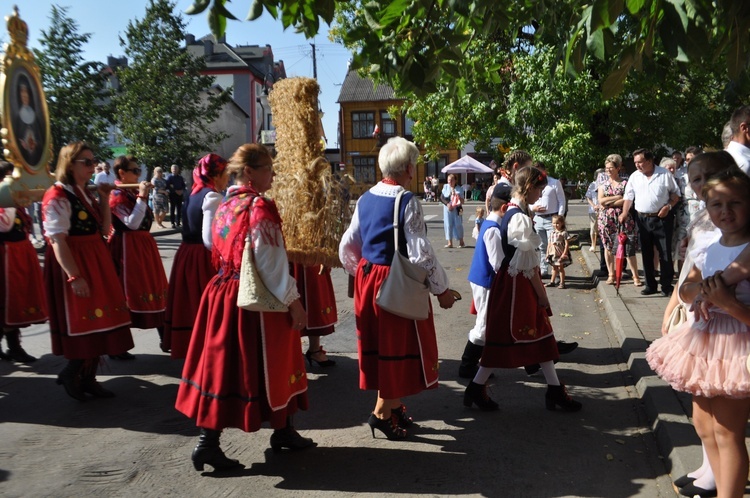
x=350, y=247
x=522, y=236
x=629, y=194
x=493, y=241
x=7, y=219
x=272, y=263
x=57, y=214
x=133, y=219
x=420, y=250
x=210, y=204
x=561, y=200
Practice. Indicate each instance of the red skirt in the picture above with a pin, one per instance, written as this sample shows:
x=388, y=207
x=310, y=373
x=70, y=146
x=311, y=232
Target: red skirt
x=316, y=291
x=397, y=356
x=22, y=298
x=519, y=332
x=243, y=368
x=142, y=276
x=83, y=328
x=191, y=271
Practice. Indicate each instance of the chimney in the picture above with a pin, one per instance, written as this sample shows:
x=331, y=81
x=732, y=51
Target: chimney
x=208, y=47
x=189, y=40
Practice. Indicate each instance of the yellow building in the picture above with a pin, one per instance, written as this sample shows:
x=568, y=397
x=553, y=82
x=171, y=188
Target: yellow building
x=365, y=125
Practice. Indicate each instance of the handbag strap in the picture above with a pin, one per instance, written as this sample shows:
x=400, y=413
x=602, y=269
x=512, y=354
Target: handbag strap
x=395, y=219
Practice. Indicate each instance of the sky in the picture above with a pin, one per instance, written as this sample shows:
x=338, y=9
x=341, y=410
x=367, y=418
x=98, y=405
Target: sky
x=106, y=20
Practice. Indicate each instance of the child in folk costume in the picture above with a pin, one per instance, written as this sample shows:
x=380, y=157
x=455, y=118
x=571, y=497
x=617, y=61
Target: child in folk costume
x=88, y=314
x=316, y=291
x=558, y=250
x=22, y=299
x=488, y=256
x=518, y=330
x=707, y=357
x=192, y=267
x=134, y=251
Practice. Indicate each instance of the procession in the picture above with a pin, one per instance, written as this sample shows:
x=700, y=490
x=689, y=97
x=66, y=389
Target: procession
x=265, y=319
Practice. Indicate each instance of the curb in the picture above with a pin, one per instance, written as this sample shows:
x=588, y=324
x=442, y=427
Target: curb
x=675, y=435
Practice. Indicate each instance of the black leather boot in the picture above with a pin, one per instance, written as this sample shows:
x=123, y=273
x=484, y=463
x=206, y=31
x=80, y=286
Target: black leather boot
x=477, y=394
x=288, y=437
x=15, y=351
x=207, y=451
x=88, y=380
x=470, y=360
x=70, y=379
x=558, y=395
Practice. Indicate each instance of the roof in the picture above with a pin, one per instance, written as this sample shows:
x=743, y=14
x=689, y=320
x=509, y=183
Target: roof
x=358, y=89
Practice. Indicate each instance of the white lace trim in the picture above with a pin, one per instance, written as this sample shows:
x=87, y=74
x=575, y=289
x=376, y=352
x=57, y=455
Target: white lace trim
x=529, y=273
x=385, y=190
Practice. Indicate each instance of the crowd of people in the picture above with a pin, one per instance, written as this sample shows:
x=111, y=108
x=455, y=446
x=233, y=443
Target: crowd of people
x=245, y=367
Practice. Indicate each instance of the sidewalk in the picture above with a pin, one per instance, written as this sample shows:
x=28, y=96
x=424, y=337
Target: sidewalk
x=636, y=320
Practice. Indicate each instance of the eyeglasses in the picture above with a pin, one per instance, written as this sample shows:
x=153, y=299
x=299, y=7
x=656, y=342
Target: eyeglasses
x=87, y=162
x=136, y=171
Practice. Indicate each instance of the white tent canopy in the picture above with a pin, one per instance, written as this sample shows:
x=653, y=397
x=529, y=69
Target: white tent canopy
x=466, y=164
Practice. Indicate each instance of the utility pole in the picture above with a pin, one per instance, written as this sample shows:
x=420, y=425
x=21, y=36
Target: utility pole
x=315, y=62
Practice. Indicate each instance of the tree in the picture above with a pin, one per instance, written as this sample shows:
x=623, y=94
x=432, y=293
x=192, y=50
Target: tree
x=75, y=88
x=163, y=109
x=419, y=46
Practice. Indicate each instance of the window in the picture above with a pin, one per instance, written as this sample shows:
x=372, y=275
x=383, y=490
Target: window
x=387, y=126
x=432, y=168
x=363, y=124
x=408, y=125
x=364, y=169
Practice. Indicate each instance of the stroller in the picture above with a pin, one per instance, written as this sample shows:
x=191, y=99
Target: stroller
x=429, y=195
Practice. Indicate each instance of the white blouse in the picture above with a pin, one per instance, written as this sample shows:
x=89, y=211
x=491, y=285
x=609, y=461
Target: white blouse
x=7, y=219
x=522, y=236
x=58, y=211
x=418, y=246
x=210, y=204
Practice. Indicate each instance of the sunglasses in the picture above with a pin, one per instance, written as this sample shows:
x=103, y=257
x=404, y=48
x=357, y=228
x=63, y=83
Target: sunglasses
x=136, y=171
x=87, y=162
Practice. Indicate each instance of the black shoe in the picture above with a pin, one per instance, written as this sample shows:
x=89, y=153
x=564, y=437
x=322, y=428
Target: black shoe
x=404, y=420
x=558, y=396
x=388, y=426
x=290, y=438
x=647, y=291
x=322, y=364
x=92, y=387
x=208, y=452
x=122, y=356
x=477, y=394
x=693, y=490
x=683, y=481
x=566, y=347
x=19, y=355
x=666, y=293
x=70, y=379
x=532, y=369
x=4, y=356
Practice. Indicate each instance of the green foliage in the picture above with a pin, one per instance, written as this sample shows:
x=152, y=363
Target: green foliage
x=420, y=46
x=163, y=109
x=76, y=98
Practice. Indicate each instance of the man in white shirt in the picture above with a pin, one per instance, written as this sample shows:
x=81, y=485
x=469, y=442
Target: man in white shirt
x=550, y=203
x=739, y=147
x=106, y=176
x=654, y=192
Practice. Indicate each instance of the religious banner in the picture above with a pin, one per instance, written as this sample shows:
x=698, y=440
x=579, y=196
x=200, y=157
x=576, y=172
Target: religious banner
x=26, y=137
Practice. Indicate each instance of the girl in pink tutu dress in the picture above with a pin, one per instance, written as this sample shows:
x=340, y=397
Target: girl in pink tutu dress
x=706, y=357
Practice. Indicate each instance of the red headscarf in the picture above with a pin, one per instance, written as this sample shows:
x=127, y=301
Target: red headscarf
x=207, y=168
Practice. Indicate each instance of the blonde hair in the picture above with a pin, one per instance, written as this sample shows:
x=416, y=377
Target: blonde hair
x=480, y=212
x=246, y=155
x=68, y=154
x=556, y=218
x=615, y=159
x=527, y=178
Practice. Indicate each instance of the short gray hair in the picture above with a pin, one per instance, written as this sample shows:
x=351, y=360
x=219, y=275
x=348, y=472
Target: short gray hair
x=396, y=155
x=615, y=159
x=667, y=160
x=726, y=134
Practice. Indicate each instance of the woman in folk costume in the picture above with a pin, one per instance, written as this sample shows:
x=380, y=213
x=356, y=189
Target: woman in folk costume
x=134, y=250
x=519, y=331
x=243, y=367
x=397, y=356
x=316, y=291
x=88, y=315
x=22, y=299
x=192, y=267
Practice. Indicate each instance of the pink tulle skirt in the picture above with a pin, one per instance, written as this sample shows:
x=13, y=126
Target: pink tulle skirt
x=705, y=358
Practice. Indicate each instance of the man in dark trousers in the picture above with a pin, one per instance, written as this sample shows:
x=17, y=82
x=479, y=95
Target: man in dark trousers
x=176, y=189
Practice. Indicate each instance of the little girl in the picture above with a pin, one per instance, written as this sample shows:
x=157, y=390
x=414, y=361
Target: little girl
x=558, y=250
x=478, y=222
x=518, y=331
x=707, y=357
